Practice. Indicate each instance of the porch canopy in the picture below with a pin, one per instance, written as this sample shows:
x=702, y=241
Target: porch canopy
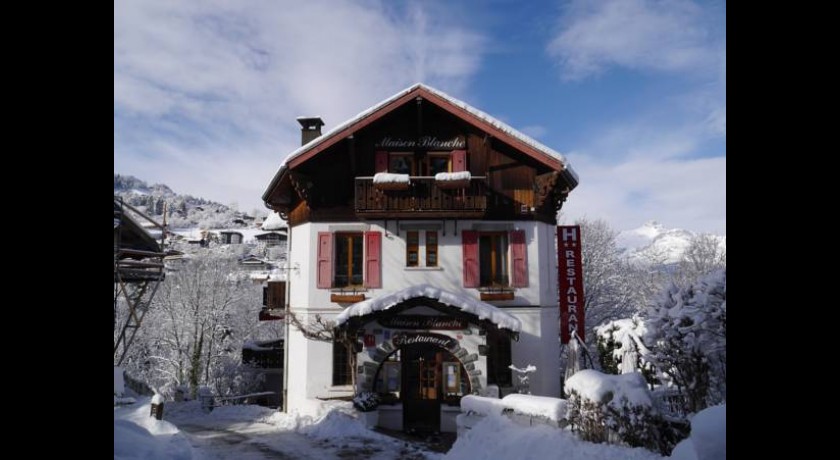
x=476, y=311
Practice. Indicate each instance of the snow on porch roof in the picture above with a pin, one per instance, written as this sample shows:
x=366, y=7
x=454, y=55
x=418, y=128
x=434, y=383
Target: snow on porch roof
x=483, y=310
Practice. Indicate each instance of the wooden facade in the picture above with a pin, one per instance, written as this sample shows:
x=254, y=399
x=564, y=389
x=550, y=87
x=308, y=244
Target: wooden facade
x=332, y=181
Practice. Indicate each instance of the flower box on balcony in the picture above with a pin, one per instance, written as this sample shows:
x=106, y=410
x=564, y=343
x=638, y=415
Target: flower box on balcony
x=389, y=181
x=496, y=295
x=346, y=298
x=452, y=180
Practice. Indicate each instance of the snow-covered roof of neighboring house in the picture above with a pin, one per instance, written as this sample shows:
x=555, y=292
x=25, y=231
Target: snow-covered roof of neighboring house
x=455, y=106
x=483, y=310
x=273, y=222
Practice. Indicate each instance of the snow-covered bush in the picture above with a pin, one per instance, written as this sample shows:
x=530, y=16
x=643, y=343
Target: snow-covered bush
x=678, y=341
x=616, y=409
x=686, y=335
x=366, y=401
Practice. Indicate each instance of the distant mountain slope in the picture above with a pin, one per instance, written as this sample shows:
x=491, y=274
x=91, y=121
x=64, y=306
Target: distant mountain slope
x=654, y=243
x=182, y=211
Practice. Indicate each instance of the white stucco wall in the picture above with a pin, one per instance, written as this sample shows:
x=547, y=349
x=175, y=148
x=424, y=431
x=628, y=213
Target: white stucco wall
x=448, y=275
x=310, y=362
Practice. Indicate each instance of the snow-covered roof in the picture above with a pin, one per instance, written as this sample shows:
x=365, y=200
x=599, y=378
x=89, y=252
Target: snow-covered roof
x=273, y=222
x=483, y=310
x=480, y=115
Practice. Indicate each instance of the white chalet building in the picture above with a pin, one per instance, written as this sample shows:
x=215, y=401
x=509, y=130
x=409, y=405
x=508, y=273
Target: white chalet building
x=426, y=230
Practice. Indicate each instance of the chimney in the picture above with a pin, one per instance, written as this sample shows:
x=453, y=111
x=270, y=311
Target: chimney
x=310, y=128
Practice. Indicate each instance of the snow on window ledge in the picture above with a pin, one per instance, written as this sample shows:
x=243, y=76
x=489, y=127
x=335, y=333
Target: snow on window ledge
x=390, y=178
x=453, y=177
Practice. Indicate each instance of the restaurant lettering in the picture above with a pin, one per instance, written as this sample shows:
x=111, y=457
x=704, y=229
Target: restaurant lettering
x=570, y=280
x=425, y=142
x=423, y=322
x=402, y=339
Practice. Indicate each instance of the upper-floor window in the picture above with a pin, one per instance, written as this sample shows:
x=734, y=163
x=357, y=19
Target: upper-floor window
x=495, y=259
x=414, y=249
x=349, y=259
x=420, y=163
x=401, y=163
x=437, y=162
x=431, y=249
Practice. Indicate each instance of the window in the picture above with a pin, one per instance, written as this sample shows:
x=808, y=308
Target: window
x=498, y=359
x=388, y=381
x=348, y=260
x=412, y=251
x=401, y=163
x=493, y=259
x=413, y=248
x=431, y=249
x=490, y=257
x=437, y=163
x=342, y=368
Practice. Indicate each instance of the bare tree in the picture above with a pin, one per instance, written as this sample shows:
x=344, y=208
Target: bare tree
x=202, y=315
x=705, y=254
x=609, y=291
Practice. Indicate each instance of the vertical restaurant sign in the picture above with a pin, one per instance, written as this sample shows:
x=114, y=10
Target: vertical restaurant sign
x=570, y=274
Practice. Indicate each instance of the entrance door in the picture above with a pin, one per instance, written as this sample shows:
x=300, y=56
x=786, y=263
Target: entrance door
x=421, y=385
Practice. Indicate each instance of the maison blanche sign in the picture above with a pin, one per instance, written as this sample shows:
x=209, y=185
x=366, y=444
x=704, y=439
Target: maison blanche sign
x=424, y=142
x=423, y=322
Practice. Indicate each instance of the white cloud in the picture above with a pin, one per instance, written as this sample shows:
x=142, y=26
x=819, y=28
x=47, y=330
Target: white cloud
x=206, y=93
x=678, y=192
x=659, y=35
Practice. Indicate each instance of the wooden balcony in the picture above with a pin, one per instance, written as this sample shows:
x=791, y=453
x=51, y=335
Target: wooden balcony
x=423, y=199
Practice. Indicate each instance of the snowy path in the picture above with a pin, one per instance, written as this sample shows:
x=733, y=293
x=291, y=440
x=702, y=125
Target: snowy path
x=218, y=443
x=255, y=433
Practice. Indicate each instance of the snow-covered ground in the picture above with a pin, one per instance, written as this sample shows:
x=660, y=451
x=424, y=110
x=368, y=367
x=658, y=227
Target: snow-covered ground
x=248, y=432
x=253, y=432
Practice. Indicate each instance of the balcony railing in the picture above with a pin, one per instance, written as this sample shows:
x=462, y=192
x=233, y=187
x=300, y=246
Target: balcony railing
x=423, y=196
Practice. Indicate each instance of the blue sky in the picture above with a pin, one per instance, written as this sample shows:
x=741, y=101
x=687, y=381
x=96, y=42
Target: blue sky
x=633, y=92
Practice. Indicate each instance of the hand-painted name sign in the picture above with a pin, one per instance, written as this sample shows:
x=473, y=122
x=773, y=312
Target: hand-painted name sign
x=423, y=322
x=405, y=338
x=570, y=274
x=424, y=142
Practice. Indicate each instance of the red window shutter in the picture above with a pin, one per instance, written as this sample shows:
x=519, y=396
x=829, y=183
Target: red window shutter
x=324, y=260
x=459, y=160
x=469, y=241
x=381, y=161
x=519, y=251
x=373, y=259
